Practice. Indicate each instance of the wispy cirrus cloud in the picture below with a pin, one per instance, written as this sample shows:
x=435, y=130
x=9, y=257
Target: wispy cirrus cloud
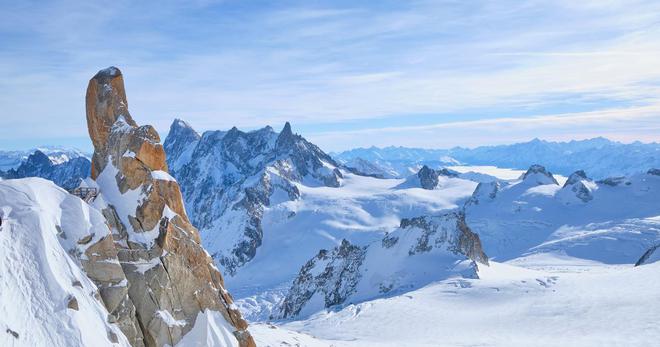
x=225, y=63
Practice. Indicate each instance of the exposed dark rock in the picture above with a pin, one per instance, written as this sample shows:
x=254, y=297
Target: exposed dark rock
x=166, y=271
x=578, y=184
x=229, y=178
x=333, y=274
x=73, y=303
x=539, y=174
x=613, y=181
x=647, y=255
x=485, y=191
x=428, y=178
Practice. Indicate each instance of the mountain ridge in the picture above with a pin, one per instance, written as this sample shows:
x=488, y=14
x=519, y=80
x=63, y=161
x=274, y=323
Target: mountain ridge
x=599, y=156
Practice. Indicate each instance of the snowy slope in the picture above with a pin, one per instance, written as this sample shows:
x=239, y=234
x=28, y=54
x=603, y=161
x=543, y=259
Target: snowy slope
x=243, y=192
x=545, y=301
x=272, y=212
x=612, y=221
x=40, y=273
x=420, y=251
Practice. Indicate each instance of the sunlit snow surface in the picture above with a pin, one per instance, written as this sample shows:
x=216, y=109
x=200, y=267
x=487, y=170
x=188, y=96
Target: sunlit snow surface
x=542, y=301
x=362, y=210
x=563, y=273
x=41, y=224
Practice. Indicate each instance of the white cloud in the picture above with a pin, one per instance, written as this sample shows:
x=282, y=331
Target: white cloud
x=220, y=64
x=621, y=124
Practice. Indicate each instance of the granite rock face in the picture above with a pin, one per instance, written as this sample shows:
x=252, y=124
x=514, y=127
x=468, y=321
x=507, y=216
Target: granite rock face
x=581, y=185
x=171, y=277
x=422, y=250
x=538, y=175
x=428, y=178
x=230, y=177
x=485, y=191
x=337, y=280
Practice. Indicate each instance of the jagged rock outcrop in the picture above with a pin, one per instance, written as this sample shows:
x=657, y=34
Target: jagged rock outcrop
x=581, y=186
x=337, y=280
x=650, y=256
x=428, y=178
x=363, y=167
x=172, y=279
x=66, y=174
x=442, y=232
x=537, y=174
x=229, y=178
x=485, y=191
x=422, y=250
x=614, y=181
x=178, y=144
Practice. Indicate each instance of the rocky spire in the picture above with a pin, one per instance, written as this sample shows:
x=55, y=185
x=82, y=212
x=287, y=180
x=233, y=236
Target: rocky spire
x=178, y=140
x=580, y=185
x=172, y=279
x=485, y=191
x=576, y=177
x=428, y=178
x=105, y=101
x=286, y=138
x=539, y=175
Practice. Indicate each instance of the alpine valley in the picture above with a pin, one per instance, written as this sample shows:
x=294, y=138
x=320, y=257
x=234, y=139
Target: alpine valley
x=321, y=253
x=370, y=247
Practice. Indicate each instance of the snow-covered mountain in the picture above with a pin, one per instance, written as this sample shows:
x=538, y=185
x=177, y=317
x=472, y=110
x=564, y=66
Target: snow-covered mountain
x=13, y=159
x=600, y=157
x=65, y=169
x=299, y=243
x=267, y=202
x=569, y=251
x=420, y=251
x=230, y=178
x=124, y=266
x=612, y=221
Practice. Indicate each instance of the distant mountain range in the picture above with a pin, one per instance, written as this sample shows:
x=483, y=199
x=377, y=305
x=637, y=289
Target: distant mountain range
x=13, y=159
x=599, y=157
x=66, y=167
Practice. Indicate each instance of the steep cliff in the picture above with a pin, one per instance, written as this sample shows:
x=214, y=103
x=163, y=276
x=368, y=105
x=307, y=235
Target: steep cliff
x=172, y=281
x=422, y=250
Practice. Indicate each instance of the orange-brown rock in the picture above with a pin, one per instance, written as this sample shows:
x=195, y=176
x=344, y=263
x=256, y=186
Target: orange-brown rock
x=171, y=277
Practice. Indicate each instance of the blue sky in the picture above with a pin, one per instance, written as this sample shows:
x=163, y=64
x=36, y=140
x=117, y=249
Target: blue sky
x=345, y=73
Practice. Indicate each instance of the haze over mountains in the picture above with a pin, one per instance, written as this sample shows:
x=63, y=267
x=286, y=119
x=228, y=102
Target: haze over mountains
x=370, y=247
x=599, y=156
